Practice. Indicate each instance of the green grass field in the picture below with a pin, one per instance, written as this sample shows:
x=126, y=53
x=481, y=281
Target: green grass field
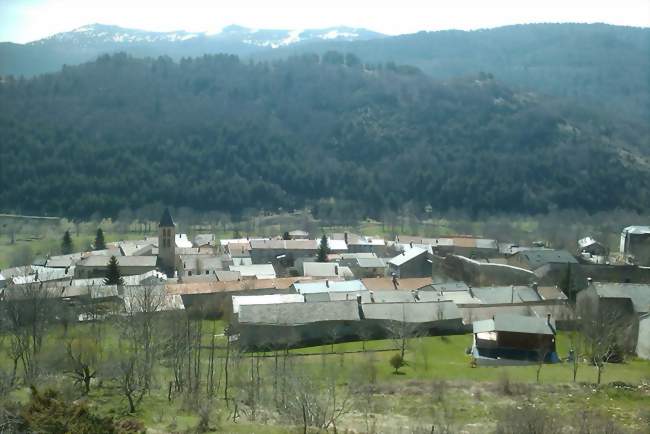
x=438, y=377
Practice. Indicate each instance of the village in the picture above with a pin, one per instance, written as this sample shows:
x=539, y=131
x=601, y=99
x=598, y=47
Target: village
x=302, y=289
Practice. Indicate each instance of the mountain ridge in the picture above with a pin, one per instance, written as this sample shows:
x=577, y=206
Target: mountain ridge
x=594, y=64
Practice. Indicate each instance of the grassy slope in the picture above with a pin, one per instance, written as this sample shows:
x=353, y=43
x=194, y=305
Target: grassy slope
x=471, y=394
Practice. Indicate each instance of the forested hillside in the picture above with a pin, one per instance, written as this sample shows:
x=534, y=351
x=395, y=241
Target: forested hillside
x=216, y=133
x=590, y=63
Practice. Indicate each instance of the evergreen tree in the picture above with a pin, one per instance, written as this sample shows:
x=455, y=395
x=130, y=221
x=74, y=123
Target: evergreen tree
x=113, y=275
x=100, y=244
x=323, y=249
x=66, y=244
x=286, y=236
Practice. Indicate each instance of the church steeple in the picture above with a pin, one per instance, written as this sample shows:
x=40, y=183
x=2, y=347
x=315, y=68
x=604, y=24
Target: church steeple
x=166, y=220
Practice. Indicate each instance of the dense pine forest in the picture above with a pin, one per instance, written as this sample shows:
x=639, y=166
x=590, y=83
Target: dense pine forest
x=218, y=133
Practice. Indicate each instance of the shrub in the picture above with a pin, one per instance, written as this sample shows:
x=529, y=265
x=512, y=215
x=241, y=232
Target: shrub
x=397, y=361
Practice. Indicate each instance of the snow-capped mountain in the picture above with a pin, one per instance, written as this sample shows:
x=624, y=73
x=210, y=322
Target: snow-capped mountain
x=101, y=34
x=86, y=43
x=104, y=34
x=280, y=38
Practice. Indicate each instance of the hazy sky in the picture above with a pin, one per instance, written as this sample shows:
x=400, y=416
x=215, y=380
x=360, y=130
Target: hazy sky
x=28, y=20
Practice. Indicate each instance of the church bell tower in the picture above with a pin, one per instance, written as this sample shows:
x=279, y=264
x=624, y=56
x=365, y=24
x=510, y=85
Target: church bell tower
x=167, y=243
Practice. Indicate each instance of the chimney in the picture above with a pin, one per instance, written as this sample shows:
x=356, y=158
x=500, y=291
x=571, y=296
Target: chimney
x=471, y=291
x=359, y=299
x=345, y=237
x=327, y=283
x=535, y=287
x=589, y=281
x=336, y=270
x=395, y=282
x=548, y=319
x=411, y=244
x=372, y=296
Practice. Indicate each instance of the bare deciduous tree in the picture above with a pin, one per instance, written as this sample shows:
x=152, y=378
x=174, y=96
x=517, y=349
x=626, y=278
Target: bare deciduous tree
x=606, y=331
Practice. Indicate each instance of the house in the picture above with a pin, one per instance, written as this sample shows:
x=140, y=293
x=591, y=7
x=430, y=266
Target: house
x=313, y=297
x=204, y=240
x=618, y=304
x=150, y=277
x=361, y=243
x=192, y=265
x=35, y=273
x=369, y=267
x=255, y=271
x=476, y=273
x=286, y=325
x=509, y=339
x=246, y=300
x=534, y=259
x=493, y=295
x=63, y=261
x=393, y=283
x=592, y=251
x=285, y=251
x=96, y=266
x=213, y=298
x=325, y=269
x=635, y=244
x=335, y=246
x=151, y=298
x=414, y=262
x=472, y=247
x=328, y=285
x=239, y=250
x=561, y=313
x=406, y=319
x=299, y=235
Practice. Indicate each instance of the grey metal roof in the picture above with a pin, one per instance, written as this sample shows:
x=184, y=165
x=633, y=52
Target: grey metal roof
x=639, y=294
x=515, y=324
x=371, y=262
x=407, y=256
x=484, y=243
x=505, y=294
x=247, y=300
x=458, y=297
x=637, y=230
x=450, y=286
x=124, y=261
x=259, y=270
x=329, y=286
x=537, y=258
x=298, y=313
x=62, y=261
x=365, y=255
x=320, y=269
x=412, y=312
x=315, y=297
x=227, y=276
x=203, y=239
x=391, y=297
x=285, y=244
